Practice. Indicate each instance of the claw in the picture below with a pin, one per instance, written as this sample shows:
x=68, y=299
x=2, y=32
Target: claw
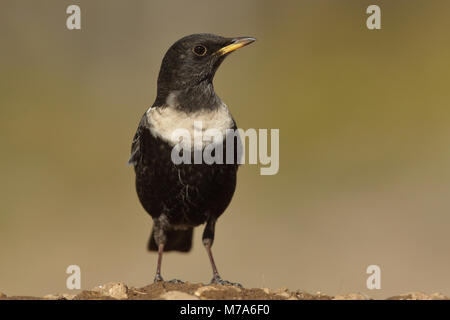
x=158, y=278
x=218, y=280
x=175, y=281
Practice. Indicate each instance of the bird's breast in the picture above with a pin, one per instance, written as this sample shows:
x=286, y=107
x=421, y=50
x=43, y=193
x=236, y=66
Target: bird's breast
x=169, y=123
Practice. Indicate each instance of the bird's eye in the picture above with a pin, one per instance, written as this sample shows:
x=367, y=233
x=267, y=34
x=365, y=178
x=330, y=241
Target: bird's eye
x=199, y=50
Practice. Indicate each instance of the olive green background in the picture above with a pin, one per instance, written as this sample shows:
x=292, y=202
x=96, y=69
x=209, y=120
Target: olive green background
x=364, y=143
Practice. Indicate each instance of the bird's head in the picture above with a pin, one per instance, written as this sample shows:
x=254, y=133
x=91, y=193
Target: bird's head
x=194, y=59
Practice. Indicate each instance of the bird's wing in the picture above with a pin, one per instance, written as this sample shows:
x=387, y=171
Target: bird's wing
x=136, y=145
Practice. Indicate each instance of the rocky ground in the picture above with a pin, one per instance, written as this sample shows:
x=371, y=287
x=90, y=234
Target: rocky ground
x=189, y=291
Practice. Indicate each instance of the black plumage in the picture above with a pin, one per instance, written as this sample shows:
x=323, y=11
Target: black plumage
x=182, y=196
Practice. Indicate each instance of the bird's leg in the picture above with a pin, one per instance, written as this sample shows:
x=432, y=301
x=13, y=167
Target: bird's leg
x=160, y=237
x=158, y=277
x=208, y=239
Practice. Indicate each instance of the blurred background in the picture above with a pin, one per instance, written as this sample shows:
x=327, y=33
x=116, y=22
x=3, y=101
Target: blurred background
x=364, y=143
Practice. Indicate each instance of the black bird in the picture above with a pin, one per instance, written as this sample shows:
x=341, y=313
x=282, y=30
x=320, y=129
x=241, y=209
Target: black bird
x=182, y=196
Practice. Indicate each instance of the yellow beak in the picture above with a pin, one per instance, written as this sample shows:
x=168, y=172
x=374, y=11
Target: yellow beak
x=237, y=43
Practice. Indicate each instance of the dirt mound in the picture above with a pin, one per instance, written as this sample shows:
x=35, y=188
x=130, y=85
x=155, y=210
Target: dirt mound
x=190, y=291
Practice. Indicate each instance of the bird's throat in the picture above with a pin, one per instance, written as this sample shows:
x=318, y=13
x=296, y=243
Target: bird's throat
x=195, y=98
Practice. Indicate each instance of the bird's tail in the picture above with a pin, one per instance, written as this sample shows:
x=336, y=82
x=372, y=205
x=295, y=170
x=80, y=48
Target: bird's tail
x=177, y=240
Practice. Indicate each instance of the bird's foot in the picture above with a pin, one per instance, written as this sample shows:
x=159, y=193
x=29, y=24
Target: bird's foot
x=218, y=280
x=158, y=278
x=175, y=281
